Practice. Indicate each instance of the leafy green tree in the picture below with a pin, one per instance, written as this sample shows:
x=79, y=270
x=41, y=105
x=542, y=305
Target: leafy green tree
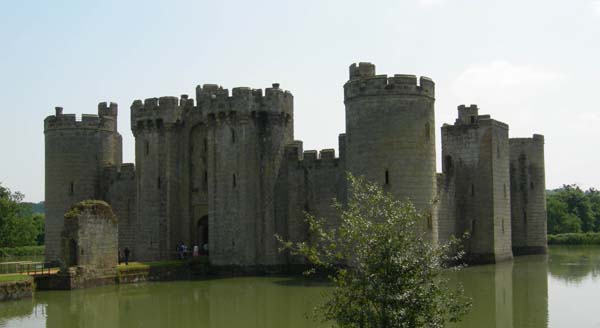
x=384, y=271
x=17, y=223
x=560, y=220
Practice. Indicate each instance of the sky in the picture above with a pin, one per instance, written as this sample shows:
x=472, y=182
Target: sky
x=530, y=63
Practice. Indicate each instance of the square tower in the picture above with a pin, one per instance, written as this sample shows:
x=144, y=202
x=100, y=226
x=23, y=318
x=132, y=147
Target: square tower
x=475, y=153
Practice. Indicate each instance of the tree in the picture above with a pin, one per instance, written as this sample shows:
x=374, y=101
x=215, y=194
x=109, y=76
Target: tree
x=18, y=226
x=384, y=272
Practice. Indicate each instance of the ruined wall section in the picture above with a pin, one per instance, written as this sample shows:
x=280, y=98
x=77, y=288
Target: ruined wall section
x=475, y=173
x=120, y=192
x=390, y=137
x=156, y=125
x=246, y=135
x=76, y=151
x=528, y=195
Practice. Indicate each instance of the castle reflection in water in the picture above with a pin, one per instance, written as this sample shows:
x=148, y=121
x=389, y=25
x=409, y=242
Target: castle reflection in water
x=510, y=294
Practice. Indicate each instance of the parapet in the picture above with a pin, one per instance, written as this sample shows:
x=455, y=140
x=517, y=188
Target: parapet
x=158, y=112
x=364, y=82
x=469, y=118
x=212, y=99
x=105, y=120
x=535, y=139
x=467, y=115
x=108, y=109
x=125, y=171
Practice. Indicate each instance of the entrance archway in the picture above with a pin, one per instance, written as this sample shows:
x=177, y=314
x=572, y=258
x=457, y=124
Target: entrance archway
x=202, y=234
x=72, y=258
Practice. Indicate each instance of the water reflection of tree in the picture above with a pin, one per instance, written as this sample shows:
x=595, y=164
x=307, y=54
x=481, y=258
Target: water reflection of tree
x=572, y=264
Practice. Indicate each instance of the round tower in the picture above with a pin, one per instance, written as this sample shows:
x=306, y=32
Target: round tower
x=390, y=136
x=76, y=151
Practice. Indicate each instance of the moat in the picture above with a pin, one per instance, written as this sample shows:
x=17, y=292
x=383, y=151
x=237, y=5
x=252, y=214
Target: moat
x=558, y=290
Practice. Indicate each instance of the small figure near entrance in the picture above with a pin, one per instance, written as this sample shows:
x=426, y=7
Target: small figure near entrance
x=180, y=250
x=126, y=253
x=195, y=251
x=205, y=248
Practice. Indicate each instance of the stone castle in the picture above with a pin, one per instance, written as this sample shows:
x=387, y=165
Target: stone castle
x=225, y=170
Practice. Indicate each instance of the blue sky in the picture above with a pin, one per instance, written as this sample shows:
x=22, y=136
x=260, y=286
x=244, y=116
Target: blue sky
x=532, y=64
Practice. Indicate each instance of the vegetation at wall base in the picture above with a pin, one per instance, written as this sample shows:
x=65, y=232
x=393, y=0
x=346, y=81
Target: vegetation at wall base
x=588, y=238
x=384, y=271
x=8, y=252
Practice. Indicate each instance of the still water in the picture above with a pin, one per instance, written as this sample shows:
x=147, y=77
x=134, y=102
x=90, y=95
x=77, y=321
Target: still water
x=559, y=290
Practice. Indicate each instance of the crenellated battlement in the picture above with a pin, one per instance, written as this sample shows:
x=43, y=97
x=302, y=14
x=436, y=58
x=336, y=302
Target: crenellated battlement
x=364, y=82
x=105, y=120
x=310, y=158
x=155, y=113
x=108, y=109
x=212, y=99
x=125, y=171
x=535, y=139
x=468, y=114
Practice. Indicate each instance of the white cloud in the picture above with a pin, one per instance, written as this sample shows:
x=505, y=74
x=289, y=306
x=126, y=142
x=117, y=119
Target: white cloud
x=501, y=82
x=596, y=6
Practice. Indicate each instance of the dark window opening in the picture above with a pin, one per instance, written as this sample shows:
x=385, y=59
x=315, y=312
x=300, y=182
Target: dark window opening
x=205, y=145
x=472, y=228
x=387, y=177
x=159, y=124
x=234, y=182
x=504, y=190
x=498, y=151
x=427, y=131
x=147, y=146
x=71, y=188
x=472, y=190
x=472, y=119
x=447, y=163
x=159, y=182
x=531, y=185
x=232, y=136
x=205, y=179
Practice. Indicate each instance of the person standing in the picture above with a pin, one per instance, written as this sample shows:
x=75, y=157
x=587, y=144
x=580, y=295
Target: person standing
x=195, y=251
x=126, y=253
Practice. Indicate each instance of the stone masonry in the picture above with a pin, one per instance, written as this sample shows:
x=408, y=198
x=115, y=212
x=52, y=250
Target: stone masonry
x=224, y=170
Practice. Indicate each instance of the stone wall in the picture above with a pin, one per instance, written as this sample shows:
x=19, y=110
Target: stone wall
x=390, y=135
x=120, y=192
x=475, y=167
x=16, y=290
x=528, y=195
x=89, y=242
x=76, y=152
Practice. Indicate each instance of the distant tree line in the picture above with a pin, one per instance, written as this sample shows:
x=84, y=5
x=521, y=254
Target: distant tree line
x=573, y=210
x=21, y=224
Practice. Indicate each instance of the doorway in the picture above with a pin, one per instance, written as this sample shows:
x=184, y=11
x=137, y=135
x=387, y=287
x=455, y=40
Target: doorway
x=202, y=234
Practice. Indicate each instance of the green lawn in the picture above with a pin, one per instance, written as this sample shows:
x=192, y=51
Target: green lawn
x=14, y=277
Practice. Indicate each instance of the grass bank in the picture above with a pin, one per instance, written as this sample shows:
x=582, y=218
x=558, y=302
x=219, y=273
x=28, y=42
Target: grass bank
x=587, y=238
x=8, y=252
x=14, y=277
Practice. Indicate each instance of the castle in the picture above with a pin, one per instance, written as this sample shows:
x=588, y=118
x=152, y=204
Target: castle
x=226, y=171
